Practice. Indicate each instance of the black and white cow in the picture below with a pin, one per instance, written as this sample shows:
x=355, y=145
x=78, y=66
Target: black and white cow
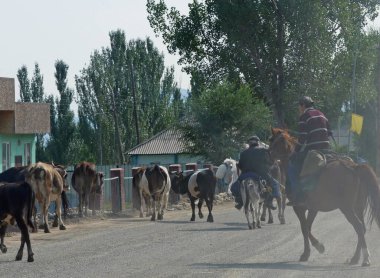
x=16, y=203
x=153, y=183
x=199, y=185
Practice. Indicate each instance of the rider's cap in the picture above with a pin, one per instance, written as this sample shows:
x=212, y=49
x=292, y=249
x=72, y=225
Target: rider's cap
x=254, y=138
x=307, y=101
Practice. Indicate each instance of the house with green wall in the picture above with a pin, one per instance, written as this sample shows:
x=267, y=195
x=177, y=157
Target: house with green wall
x=20, y=122
x=164, y=148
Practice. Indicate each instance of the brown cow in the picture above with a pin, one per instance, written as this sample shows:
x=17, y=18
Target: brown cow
x=47, y=184
x=86, y=180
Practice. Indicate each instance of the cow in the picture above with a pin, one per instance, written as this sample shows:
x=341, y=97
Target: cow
x=198, y=185
x=86, y=180
x=16, y=203
x=153, y=182
x=48, y=186
x=17, y=174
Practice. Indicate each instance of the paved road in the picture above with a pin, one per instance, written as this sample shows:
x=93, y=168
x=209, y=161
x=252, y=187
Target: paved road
x=131, y=247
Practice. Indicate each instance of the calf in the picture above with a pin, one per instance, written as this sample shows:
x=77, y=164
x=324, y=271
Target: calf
x=16, y=203
x=199, y=185
x=86, y=180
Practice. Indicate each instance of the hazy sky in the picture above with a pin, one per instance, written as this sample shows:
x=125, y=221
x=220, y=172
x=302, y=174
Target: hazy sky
x=44, y=31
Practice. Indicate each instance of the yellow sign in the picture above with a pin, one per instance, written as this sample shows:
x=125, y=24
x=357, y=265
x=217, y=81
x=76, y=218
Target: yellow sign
x=356, y=123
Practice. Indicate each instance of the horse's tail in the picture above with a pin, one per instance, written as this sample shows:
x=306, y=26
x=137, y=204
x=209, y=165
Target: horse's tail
x=368, y=178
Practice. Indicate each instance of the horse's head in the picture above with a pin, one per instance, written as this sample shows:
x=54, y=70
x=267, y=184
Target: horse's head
x=281, y=144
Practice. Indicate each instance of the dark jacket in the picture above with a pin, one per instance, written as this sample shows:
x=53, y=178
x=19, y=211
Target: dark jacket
x=314, y=130
x=255, y=159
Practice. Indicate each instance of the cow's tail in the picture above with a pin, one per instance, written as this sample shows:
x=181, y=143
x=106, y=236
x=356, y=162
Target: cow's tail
x=369, y=182
x=31, y=207
x=65, y=204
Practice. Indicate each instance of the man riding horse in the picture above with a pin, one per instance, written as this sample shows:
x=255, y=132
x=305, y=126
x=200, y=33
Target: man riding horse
x=256, y=160
x=313, y=134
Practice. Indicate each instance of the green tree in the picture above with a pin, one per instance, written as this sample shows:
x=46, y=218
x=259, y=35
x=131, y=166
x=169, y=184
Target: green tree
x=221, y=118
x=22, y=76
x=37, y=87
x=62, y=118
x=283, y=49
x=125, y=96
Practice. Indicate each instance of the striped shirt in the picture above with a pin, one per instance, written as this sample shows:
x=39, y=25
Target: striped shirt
x=314, y=130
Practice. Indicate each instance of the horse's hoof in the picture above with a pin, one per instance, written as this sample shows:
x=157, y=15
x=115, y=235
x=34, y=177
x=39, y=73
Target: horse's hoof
x=19, y=257
x=54, y=225
x=282, y=221
x=46, y=230
x=259, y=226
x=200, y=215
x=250, y=227
x=192, y=218
x=353, y=261
x=270, y=221
x=62, y=227
x=160, y=217
x=30, y=259
x=210, y=219
x=262, y=218
x=366, y=263
x=153, y=218
x=304, y=257
x=3, y=249
x=320, y=248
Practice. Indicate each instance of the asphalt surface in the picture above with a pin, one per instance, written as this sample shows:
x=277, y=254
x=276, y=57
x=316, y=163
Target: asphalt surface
x=175, y=247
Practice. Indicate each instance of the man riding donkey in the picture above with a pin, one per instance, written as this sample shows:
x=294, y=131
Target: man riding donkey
x=255, y=161
x=313, y=134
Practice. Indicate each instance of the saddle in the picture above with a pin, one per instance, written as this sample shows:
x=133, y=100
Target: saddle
x=315, y=161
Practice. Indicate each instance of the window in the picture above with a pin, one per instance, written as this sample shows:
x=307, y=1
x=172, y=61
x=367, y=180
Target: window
x=6, y=156
x=27, y=154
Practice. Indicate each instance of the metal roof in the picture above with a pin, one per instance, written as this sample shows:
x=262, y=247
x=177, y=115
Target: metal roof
x=166, y=142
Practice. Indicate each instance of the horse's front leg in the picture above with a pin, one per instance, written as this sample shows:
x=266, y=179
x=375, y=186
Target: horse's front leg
x=300, y=212
x=200, y=204
x=192, y=203
x=314, y=241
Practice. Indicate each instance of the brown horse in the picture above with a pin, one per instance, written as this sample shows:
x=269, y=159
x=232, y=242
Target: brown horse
x=343, y=185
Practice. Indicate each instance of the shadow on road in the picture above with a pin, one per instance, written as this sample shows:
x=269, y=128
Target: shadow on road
x=278, y=265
